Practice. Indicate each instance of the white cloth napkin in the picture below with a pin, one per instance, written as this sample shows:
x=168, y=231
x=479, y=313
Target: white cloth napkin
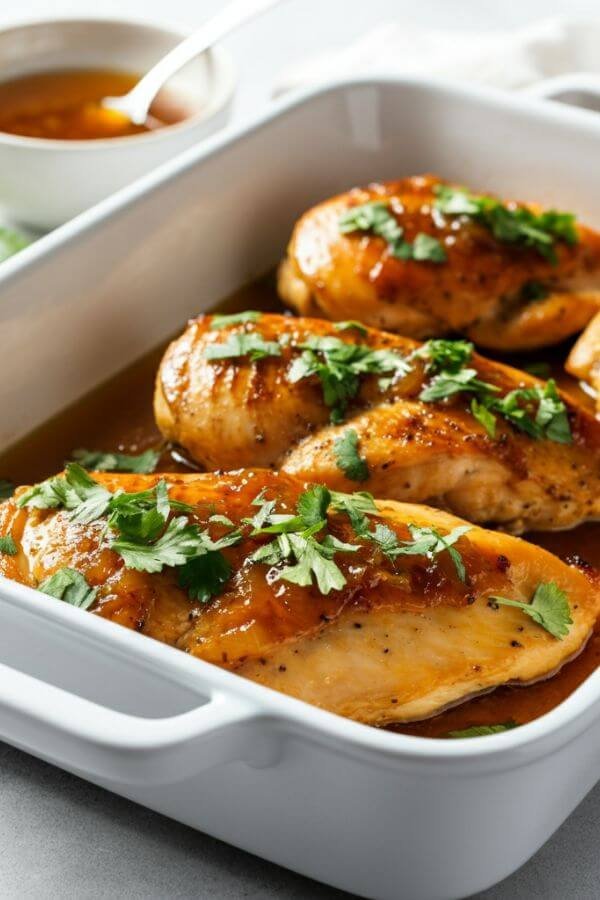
x=510, y=59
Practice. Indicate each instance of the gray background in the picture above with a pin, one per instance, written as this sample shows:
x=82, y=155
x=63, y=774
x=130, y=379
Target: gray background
x=63, y=838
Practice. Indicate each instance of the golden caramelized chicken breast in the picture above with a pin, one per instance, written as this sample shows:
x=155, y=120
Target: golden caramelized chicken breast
x=349, y=406
x=584, y=359
x=384, y=612
x=425, y=259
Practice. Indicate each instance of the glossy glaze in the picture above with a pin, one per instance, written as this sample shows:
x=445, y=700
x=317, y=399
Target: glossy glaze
x=65, y=105
x=234, y=412
x=477, y=291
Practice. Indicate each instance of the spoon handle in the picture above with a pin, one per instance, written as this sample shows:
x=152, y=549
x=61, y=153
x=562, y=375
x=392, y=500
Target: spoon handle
x=219, y=26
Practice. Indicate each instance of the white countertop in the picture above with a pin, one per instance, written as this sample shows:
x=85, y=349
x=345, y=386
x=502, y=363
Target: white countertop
x=63, y=838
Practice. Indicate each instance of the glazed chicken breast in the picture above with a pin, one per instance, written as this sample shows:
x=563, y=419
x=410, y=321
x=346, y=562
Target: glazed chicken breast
x=425, y=259
x=431, y=423
x=383, y=612
x=584, y=359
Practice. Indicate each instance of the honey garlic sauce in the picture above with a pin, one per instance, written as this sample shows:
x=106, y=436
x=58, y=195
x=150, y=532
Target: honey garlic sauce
x=103, y=421
x=65, y=105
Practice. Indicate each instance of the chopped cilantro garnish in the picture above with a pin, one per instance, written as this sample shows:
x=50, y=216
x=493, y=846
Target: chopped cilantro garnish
x=305, y=557
x=8, y=546
x=7, y=489
x=351, y=325
x=348, y=459
x=75, y=490
x=223, y=321
x=425, y=542
x=249, y=344
x=97, y=461
x=340, y=365
x=549, y=607
x=483, y=730
x=510, y=224
x=70, y=586
x=538, y=411
x=446, y=384
x=204, y=576
x=445, y=356
x=533, y=290
x=375, y=218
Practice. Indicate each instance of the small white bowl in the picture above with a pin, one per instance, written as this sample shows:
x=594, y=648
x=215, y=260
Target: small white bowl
x=43, y=182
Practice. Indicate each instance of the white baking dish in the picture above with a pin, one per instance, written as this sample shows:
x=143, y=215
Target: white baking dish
x=378, y=814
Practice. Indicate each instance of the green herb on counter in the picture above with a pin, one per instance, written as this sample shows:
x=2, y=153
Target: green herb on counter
x=11, y=242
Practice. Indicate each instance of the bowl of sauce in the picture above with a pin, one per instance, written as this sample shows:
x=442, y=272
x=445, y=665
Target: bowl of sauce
x=60, y=150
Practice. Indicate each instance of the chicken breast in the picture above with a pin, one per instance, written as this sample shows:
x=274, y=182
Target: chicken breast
x=584, y=359
x=487, y=275
x=398, y=638
x=232, y=411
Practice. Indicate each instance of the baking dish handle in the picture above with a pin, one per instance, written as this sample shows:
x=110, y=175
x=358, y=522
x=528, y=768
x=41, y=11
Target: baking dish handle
x=580, y=89
x=98, y=742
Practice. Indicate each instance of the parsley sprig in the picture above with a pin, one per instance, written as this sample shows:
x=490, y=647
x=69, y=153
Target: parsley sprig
x=536, y=411
x=250, y=344
x=297, y=547
x=70, y=586
x=510, y=224
x=375, y=218
x=549, y=607
x=8, y=546
x=340, y=365
x=483, y=730
x=98, y=461
x=347, y=457
x=139, y=528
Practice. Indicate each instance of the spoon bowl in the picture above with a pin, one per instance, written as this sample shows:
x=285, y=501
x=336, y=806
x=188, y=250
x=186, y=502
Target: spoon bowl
x=44, y=182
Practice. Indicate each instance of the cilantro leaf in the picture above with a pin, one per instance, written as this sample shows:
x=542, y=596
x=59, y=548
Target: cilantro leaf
x=8, y=546
x=484, y=416
x=97, y=461
x=483, y=730
x=425, y=542
x=204, y=576
x=340, y=365
x=351, y=325
x=7, y=489
x=70, y=586
x=296, y=542
x=549, y=607
x=11, y=242
x=223, y=321
x=313, y=504
x=180, y=541
x=347, y=457
x=445, y=355
x=510, y=224
x=428, y=248
x=251, y=345
x=446, y=384
x=375, y=217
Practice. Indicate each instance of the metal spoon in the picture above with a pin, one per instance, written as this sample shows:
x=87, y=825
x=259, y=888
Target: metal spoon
x=137, y=102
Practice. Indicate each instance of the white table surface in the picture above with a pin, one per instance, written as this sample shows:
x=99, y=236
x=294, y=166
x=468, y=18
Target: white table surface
x=63, y=838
